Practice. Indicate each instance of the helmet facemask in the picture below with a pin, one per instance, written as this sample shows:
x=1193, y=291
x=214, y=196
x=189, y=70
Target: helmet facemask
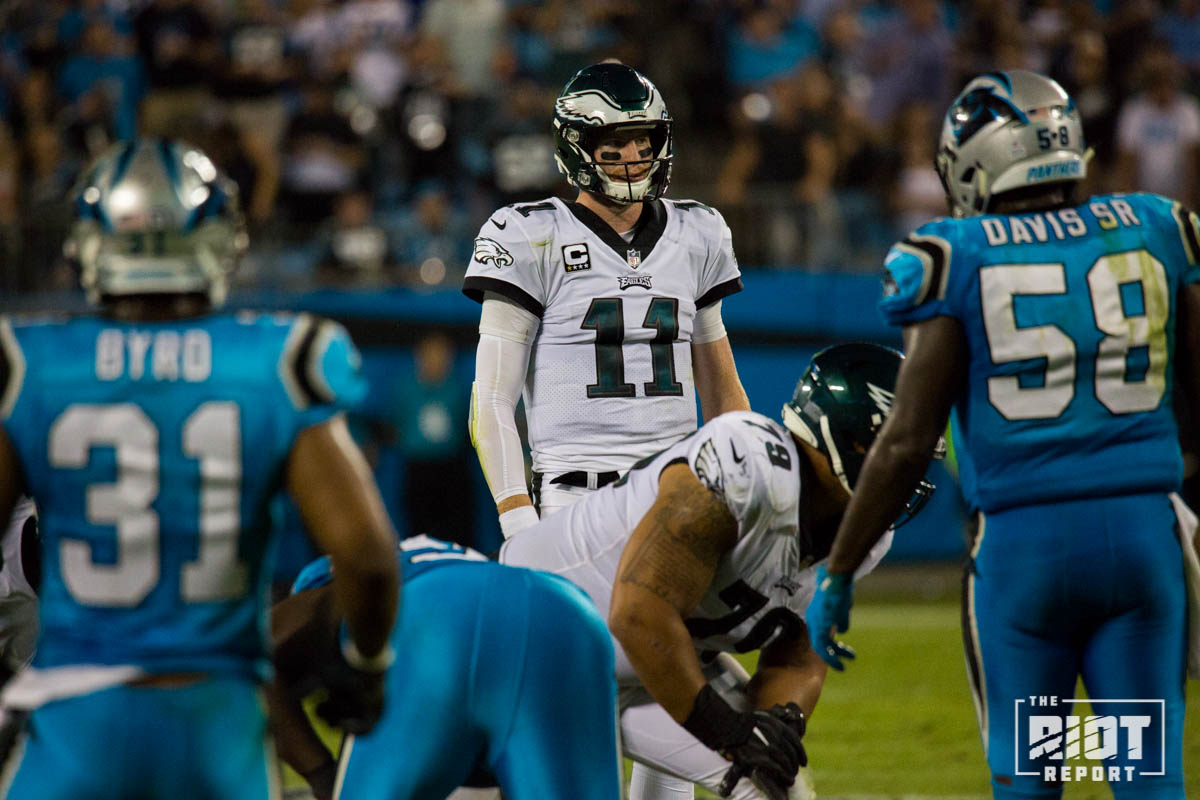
x=622, y=188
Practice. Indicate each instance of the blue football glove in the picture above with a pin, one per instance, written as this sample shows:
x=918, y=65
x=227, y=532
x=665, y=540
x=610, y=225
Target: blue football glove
x=830, y=608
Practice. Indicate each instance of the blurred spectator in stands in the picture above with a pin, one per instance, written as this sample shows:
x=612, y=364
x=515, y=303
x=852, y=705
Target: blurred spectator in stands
x=377, y=32
x=38, y=23
x=104, y=65
x=1084, y=75
x=469, y=37
x=770, y=41
x=11, y=265
x=36, y=102
x=378, y=72
x=179, y=43
x=387, y=21
x=247, y=158
x=49, y=173
x=986, y=27
x=1047, y=28
x=81, y=13
x=356, y=246
x=671, y=34
x=917, y=195
x=421, y=126
x=909, y=59
x=1130, y=28
x=430, y=420
x=781, y=167
x=470, y=33
x=88, y=127
x=433, y=238
x=1180, y=27
x=314, y=35
x=841, y=53
x=323, y=156
x=256, y=69
x=521, y=145
x=569, y=33
x=1157, y=132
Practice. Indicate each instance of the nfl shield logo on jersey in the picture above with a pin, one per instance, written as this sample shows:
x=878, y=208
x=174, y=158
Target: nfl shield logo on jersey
x=634, y=257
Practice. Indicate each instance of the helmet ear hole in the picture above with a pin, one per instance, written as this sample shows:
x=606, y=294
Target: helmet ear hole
x=968, y=174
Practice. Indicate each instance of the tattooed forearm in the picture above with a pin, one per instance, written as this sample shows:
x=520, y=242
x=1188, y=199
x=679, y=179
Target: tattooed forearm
x=677, y=546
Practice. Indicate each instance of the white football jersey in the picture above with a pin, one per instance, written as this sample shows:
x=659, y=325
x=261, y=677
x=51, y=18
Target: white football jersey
x=610, y=376
x=18, y=601
x=762, y=587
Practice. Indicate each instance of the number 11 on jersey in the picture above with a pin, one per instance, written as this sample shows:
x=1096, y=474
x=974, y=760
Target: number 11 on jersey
x=606, y=316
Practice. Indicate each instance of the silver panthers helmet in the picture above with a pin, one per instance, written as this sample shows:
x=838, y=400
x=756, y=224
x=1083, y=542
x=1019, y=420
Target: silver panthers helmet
x=154, y=216
x=1005, y=131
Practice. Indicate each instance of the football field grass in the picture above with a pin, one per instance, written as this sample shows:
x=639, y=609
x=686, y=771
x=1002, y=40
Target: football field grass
x=899, y=722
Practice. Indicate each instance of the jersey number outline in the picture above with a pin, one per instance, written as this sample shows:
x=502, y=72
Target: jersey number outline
x=212, y=435
x=1123, y=334
x=778, y=623
x=606, y=316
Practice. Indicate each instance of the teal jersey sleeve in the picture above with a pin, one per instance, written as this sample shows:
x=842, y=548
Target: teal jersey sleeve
x=12, y=369
x=916, y=272
x=320, y=370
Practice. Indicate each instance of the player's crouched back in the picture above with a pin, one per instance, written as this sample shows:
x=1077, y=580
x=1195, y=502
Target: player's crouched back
x=503, y=675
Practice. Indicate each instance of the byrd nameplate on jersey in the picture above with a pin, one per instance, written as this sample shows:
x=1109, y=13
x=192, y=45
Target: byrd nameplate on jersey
x=635, y=258
x=575, y=257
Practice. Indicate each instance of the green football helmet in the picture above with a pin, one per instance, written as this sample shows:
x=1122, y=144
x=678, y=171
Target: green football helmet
x=154, y=216
x=596, y=100
x=839, y=405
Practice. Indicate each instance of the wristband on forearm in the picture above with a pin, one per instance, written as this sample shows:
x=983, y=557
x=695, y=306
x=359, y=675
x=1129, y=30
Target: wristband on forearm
x=517, y=519
x=714, y=722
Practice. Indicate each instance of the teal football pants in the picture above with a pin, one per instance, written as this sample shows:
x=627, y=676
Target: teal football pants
x=499, y=667
x=1091, y=588
x=195, y=742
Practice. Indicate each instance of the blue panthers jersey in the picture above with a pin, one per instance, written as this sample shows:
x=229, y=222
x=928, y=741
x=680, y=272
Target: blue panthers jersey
x=152, y=450
x=416, y=555
x=1069, y=317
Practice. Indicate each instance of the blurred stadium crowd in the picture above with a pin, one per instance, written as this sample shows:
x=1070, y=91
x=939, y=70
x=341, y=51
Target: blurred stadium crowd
x=371, y=138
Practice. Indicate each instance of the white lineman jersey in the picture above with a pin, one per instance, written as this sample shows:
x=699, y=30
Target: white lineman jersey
x=761, y=588
x=18, y=601
x=610, y=376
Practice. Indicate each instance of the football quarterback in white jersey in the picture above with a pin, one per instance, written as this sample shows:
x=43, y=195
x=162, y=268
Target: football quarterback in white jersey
x=603, y=312
x=710, y=548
